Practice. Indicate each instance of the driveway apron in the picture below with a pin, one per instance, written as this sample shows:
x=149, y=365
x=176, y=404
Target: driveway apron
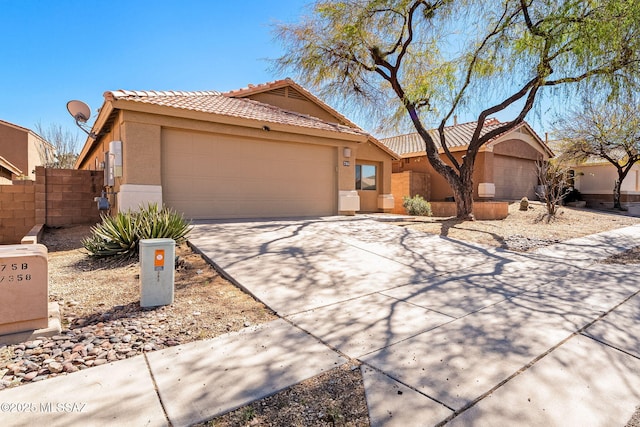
x=447, y=330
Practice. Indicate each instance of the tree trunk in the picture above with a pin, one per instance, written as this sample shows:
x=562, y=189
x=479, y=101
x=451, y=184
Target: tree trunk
x=463, y=195
x=616, y=195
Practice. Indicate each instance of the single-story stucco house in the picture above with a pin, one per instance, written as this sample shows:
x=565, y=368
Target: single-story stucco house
x=595, y=179
x=269, y=150
x=505, y=167
x=21, y=150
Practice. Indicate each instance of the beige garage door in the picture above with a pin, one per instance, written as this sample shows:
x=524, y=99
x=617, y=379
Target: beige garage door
x=216, y=176
x=514, y=178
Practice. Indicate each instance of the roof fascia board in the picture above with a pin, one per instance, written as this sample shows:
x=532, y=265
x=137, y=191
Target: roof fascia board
x=381, y=146
x=9, y=166
x=15, y=126
x=105, y=111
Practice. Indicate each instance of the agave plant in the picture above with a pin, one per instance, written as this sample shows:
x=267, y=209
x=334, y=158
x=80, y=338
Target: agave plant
x=120, y=235
x=157, y=223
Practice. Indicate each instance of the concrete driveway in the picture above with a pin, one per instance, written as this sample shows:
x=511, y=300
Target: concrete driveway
x=450, y=331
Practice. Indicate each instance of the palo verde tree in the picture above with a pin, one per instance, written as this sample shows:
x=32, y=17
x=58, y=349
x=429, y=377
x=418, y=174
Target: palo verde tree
x=607, y=131
x=432, y=59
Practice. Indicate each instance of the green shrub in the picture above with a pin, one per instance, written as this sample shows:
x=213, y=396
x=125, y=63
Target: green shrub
x=119, y=236
x=416, y=205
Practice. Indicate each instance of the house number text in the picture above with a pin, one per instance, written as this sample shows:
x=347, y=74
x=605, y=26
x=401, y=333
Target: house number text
x=10, y=273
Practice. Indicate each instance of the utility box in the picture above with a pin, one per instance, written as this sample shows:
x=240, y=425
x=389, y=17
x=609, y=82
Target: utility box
x=157, y=272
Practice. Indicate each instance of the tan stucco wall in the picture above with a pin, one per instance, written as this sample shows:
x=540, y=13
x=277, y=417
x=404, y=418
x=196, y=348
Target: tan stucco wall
x=23, y=149
x=13, y=146
x=141, y=135
x=523, y=149
x=38, y=154
x=600, y=179
x=140, y=152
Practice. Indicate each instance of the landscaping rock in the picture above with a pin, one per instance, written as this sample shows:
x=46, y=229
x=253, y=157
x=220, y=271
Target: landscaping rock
x=55, y=367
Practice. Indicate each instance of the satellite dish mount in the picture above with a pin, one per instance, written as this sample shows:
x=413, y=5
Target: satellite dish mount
x=81, y=114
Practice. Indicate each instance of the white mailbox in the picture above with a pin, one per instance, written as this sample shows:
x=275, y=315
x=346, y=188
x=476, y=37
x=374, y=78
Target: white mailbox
x=157, y=271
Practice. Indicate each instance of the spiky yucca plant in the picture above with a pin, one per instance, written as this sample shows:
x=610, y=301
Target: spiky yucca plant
x=119, y=236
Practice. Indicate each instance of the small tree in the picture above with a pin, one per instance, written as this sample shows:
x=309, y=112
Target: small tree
x=609, y=131
x=64, y=148
x=552, y=176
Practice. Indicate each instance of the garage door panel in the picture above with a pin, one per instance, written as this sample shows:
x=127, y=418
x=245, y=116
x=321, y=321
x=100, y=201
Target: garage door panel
x=224, y=177
x=514, y=178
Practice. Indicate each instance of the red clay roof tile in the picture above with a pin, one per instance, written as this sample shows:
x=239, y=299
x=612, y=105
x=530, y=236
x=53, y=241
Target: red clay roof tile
x=457, y=136
x=216, y=103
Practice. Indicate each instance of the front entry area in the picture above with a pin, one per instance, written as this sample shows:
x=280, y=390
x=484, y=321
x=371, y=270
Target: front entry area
x=368, y=185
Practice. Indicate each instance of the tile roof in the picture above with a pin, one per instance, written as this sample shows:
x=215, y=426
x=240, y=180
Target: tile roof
x=277, y=84
x=456, y=136
x=559, y=146
x=217, y=103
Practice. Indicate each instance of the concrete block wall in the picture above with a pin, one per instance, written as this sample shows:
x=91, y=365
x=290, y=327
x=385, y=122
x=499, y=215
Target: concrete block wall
x=409, y=183
x=17, y=210
x=400, y=187
x=57, y=198
x=68, y=196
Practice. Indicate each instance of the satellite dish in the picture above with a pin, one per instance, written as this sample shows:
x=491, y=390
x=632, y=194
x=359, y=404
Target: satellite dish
x=79, y=110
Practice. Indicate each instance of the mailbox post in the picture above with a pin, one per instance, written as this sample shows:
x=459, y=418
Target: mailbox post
x=157, y=272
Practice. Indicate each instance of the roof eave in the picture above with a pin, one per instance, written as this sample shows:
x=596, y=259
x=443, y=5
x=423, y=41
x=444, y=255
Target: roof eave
x=105, y=111
x=278, y=84
x=123, y=104
x=10, y=166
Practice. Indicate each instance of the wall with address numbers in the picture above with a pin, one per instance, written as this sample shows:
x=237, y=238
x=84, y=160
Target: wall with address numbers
x=57, y=198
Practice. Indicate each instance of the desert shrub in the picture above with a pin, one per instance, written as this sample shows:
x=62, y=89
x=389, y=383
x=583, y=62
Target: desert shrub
x=416, y=205
x=524, y=204
x=552, y=176
x=119, y=235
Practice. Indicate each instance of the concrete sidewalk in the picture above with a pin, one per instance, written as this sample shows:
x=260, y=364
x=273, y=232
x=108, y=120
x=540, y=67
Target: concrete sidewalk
x=185, y=384
x=447, y=332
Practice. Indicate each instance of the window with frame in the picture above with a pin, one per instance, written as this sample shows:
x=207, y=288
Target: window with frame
x=366, y=177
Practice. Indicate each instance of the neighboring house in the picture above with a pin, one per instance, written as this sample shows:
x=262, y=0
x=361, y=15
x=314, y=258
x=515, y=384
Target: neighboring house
x=505, y=167
x=271, y=150
x=595, y=179
x=23, y=149
x=8, y=172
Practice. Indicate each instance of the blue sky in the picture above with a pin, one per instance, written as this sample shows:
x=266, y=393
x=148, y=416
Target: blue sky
x=57, y=50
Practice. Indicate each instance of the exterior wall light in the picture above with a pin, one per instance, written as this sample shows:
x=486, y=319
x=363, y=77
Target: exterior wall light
x=346, y=152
